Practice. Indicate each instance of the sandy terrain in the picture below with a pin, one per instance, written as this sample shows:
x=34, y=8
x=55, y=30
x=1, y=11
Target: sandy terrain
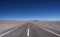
x=7, y=24
x=4, y=25
x=50, y=24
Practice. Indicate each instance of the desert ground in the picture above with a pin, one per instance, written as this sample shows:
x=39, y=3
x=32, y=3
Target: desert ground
x=7, y=24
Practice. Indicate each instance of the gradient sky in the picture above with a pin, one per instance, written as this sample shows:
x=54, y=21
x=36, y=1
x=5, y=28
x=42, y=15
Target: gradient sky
x=30, y=10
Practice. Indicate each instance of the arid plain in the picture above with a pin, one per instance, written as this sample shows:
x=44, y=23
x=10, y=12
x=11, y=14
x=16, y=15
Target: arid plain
x=7, y=24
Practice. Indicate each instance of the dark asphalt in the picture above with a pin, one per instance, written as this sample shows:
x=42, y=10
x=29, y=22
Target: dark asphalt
x=20, y=32
x=38, y=32
x=35, y=31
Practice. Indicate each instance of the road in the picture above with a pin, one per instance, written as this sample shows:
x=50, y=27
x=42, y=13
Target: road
x=29, y=30
x=38, y=32
x=18, y=32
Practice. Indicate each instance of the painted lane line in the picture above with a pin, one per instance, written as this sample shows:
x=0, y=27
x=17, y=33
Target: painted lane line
x=6, y=33
x=28, y=32
x=14, y=28
x=49, y=31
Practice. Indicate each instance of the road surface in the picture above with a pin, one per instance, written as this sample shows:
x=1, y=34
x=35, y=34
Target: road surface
x=28, y=30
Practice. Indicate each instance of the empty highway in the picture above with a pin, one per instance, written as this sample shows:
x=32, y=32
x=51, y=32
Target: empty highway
x=28, y=30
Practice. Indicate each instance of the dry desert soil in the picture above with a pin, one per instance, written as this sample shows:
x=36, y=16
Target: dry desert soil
x=7, y=24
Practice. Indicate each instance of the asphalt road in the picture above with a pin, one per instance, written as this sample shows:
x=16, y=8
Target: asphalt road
x=38, y=32
x=19, y=32
x=29, y=30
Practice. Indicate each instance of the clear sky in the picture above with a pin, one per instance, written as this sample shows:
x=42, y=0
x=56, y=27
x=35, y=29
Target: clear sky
x=29, y=9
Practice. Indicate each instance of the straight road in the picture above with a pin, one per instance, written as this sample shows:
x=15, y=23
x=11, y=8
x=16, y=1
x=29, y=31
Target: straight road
x=38, y=32
x=30, y=30
x=19, y=32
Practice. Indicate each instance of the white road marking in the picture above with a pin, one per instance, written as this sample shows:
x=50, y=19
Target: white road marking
x=49, y=31
x=1, y=35
x=28, y=32
x=6, y=33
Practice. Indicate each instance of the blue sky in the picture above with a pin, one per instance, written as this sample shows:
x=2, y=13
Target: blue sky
x=30, y=10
